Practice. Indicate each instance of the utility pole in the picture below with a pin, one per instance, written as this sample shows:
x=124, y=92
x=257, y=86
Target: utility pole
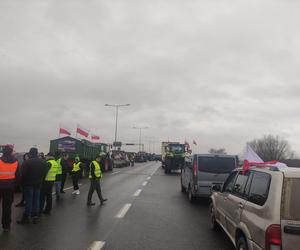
x=117, y=114
x=140, y=135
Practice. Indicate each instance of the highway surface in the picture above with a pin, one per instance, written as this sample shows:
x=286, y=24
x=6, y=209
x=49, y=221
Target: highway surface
x=145, y=210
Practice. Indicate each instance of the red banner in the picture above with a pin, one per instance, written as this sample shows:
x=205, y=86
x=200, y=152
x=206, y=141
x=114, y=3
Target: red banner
x=95, y=137
x=82, y=132
x=64, y=131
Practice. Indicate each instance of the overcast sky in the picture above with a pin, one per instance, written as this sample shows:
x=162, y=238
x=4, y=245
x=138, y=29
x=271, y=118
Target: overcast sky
x=220, y=72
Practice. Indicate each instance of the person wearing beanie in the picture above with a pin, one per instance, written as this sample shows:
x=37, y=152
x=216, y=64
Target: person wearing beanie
x=9, y=173
x=33, y=173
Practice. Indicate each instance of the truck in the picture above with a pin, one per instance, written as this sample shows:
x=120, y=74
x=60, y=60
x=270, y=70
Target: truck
x=173, y=155
x=85, y=149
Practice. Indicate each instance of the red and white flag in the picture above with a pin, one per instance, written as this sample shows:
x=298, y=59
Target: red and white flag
x=95, y=137
x=194, y=142
x=82, y=131
x=252, y=159
x=64, y=131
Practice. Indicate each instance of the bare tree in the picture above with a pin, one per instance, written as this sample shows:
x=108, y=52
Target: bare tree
x=221, y=151
x=271, y=148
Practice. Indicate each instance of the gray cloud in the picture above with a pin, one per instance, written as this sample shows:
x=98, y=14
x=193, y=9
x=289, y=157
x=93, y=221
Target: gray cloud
x=218, y=72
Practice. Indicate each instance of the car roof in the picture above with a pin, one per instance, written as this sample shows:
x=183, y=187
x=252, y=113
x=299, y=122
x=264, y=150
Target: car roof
x=215, y=155
x=287, y=171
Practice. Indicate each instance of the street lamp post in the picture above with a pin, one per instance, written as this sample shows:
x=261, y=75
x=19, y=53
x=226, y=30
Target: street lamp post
x=117, y=114
x=140, y=135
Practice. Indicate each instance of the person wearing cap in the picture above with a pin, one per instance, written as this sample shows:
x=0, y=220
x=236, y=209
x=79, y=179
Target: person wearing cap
x=9, y=172
x=47, y=186
x=95, y=176
x=33, y=173
x=76, y=170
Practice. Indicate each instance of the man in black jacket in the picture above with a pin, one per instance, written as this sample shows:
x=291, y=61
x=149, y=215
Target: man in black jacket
x=9, y=169
x=95, y=176
x=65, y=169
x=33, y=173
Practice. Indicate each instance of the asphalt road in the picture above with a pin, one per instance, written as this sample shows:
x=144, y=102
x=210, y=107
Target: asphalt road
x=145, y=210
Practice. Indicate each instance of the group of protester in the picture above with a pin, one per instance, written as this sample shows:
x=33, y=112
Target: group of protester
x=37, y=175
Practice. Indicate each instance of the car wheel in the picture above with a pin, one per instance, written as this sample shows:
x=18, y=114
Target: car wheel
x=213, y=223
x=241, y=244
x=182, y=187
x=190, y=195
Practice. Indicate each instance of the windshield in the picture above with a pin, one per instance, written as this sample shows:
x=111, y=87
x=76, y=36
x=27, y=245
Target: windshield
x=290, y=199
x=177, y=148
x=216, y=164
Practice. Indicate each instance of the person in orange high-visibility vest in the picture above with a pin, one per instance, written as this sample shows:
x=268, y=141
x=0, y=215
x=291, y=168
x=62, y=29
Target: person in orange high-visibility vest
x=9, y=167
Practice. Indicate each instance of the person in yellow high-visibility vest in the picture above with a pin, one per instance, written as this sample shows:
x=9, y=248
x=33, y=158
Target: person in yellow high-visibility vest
x=47, y=186
x=95, y=176
x=76, y=170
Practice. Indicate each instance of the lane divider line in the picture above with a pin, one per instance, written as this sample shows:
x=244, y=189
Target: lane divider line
x=65, y=188
x=145, y=183
x=96, y=245
x=123, y=211
x=115, y=172
x=137, y=193
x=149, y=178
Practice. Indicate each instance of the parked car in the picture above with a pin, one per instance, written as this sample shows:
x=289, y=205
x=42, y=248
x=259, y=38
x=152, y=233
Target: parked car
x=259, y=209
x=120, y=159
x=201, y=171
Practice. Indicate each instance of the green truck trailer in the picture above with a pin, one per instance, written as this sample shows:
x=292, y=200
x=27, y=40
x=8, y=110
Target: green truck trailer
x=85, y=149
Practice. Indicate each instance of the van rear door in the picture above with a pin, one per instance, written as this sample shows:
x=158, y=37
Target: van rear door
x=290, y=214
x=214, y=170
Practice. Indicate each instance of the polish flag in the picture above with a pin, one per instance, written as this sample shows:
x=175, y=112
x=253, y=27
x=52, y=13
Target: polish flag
x=194, y=142
x=95, y=137
x=82, y=131
x=64, y=131
x=252, y=159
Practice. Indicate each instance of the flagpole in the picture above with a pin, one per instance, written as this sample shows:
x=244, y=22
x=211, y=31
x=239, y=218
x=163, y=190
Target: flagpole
x=59, y=130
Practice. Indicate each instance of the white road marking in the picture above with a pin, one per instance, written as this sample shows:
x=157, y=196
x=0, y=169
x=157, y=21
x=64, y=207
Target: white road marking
x=96, y=245
x=145, y=183
x=65, y=188
x=137, y=193
x=123, y=211
x=149, y=178
x=116, y=172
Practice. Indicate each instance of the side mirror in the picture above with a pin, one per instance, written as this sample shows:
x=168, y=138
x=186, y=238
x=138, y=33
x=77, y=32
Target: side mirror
x=216, y=188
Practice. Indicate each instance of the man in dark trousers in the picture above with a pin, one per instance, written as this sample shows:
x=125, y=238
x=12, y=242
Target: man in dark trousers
x=65, y=168
x=47, y=186
x=57, y=182
x=76, y=170
x=9, y=168
x=33, y=173
x=95, y=176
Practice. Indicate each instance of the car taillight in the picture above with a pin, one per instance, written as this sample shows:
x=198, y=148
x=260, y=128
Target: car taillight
x=273, y=237
x=195, y=170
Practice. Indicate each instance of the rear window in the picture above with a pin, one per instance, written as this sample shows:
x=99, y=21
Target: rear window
x=290, y=199
x=219, y=165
